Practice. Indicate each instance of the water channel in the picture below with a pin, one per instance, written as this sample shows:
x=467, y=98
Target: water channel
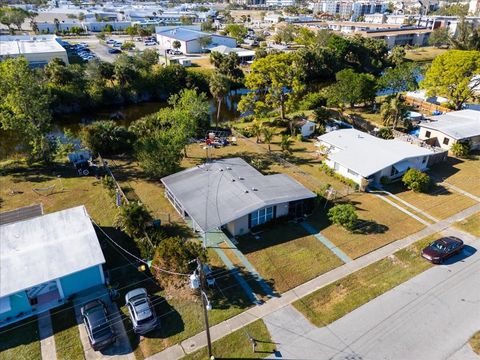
x=11, y=143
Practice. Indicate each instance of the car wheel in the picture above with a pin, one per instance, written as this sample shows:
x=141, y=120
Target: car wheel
x=85, y=172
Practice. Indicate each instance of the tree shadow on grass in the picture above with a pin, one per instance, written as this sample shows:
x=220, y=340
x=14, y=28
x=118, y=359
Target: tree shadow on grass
x=368, y=227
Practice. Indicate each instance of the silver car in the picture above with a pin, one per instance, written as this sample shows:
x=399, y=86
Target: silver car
x=142, y=312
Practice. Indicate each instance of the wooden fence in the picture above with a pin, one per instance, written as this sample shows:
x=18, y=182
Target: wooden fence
x=425, y=106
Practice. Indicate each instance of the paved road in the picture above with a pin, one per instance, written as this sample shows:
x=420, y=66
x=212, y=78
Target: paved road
x=430, y=317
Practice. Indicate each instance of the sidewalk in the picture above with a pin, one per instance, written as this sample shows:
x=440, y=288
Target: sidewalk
x=47, y=340
x=228, y=326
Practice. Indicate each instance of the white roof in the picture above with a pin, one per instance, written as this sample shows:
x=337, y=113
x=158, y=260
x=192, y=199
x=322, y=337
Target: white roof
x=45, y=248
x=366, y=154
x=20, y=45
x=458, y=125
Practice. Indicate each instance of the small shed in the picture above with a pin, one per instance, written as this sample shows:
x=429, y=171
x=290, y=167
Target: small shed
x=306, y=127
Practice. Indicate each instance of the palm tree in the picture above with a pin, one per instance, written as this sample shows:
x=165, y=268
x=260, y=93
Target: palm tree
x=392, y=112
x=257, y=129
x=267, y=136
x=286, y=144
x=219, y=87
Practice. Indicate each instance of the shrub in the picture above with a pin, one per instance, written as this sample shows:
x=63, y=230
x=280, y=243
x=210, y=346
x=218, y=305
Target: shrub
x=313, y=101
x=299, y=137
x=460, y=149
x=176, y=254
x=330, y=172
x=109, y=184
x=133, y=219
x=106, y=137
x=416, y=180
x=344, y=215
x=385, y=133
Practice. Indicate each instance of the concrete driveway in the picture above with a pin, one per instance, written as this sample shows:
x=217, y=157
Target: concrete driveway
x=432, y=316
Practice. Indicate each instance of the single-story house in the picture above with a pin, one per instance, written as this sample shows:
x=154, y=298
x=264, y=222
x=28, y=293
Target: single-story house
x=232, y=194
x=189, y=39
x=243, y=54
x=365, y=159
x=456, y=126
x=44, y=260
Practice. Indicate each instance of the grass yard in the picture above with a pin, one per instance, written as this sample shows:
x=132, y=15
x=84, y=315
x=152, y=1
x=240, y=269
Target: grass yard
x=20, y=341
x=463, y=173
x=287, y=256
x=475, y=342
x=439, y=202
x=380, y=224
x=17, y=181
x=470, y=224
x=67, y=336
x=238, y=346
x=334, y=301
x=424, y=54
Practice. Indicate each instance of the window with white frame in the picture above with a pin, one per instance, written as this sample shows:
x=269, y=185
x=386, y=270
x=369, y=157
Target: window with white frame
x=261, y=216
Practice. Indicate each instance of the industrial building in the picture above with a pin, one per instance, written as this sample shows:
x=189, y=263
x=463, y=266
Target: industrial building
x=38, y=50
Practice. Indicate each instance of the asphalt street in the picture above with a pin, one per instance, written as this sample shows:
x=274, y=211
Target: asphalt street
x=429, y=317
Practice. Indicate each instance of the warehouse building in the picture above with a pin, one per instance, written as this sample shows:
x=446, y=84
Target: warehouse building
x=38, y=50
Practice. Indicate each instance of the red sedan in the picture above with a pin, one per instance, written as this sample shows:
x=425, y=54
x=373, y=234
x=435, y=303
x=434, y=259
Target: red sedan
x=442, y=249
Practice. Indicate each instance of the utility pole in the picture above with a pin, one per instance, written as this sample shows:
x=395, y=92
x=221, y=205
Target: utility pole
x=206, y=306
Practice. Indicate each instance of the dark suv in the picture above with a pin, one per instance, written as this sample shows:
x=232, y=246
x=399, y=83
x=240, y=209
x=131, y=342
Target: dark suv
x=95, y=318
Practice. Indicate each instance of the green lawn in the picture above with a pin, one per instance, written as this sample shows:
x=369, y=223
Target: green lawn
x=67, y=336
x=470, y=224
x=424, y=54
x=20, y=341
x=475, y=342
x=380, y=225
x=237, y=345
x=287, y=256
x=333, y=301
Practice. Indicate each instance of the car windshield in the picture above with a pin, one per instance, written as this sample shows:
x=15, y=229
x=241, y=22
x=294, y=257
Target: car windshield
x=439, y=247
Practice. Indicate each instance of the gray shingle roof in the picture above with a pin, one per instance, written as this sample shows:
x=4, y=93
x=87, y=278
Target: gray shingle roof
x=458, y=125
x=45, y=248
x=227, y=189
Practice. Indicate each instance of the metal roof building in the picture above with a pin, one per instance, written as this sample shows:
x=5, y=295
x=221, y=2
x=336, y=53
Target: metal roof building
x=226, y=192
x=449, y=128
x=360, y=156
x=38, y=50
x=45, y=259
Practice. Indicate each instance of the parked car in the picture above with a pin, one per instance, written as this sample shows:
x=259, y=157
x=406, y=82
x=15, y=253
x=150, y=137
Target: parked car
x=334, y=124
x=142, y=312
x=114, y=51
x=117, y=44
x=177, y=52
x=99, y=331
x=150, y=43
x=441, y=249
x=110, y=41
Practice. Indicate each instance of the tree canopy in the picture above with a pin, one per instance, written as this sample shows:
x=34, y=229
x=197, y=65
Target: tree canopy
x=452, y=75
x=275, y=83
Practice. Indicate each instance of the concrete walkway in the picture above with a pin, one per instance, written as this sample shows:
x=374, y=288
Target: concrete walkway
x=420, y=211
x=47, y=340
x=228, y=326
x=331, y=246
x=412, y=215
x=461, y=191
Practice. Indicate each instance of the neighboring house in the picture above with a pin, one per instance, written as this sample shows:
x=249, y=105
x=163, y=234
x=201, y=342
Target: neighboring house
x=243, y=54
x=232, y=194
x=456, y=126
x=46, y=259
x=38, y=49
x=365, y=159
x=305, y=127
x=189, y=39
